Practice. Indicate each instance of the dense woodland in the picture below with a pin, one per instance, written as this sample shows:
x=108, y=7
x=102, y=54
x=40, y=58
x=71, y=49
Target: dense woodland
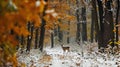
x=34, y=24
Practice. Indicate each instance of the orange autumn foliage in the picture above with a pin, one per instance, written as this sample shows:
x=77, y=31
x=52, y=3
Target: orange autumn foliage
x=17, y=19
x=14, y=16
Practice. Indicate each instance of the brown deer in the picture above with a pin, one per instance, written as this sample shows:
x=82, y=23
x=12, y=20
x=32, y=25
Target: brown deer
x=77, y=64
x=65, y=48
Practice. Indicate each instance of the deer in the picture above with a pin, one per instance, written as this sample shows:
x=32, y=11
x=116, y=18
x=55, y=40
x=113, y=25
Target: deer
x=65, y=48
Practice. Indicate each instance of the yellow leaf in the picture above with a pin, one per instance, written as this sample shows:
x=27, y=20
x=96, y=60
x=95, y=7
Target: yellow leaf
x=42, y=6
x=114, y=30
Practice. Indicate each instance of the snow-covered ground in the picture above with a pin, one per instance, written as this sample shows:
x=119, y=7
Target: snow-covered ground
x=79, y=56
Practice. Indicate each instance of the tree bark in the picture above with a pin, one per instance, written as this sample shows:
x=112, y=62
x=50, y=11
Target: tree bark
x=52, y=40
x=68, y=33
x=36, y=38
x=92, y=25
x=55, y=32
x=95, y=19
x=84, y=24
x=42, y=34
x=28, y=38
x=42, y=28
x=78, y=22
x=60, y=34
x=22, y=40
x=108, y=25
x=101, y=25
x=116, y=21
x=32, y=29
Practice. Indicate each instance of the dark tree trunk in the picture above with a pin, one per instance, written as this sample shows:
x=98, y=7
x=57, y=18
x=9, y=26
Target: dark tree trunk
x=22, y=41
x=55, y=32
x=108, y=25
x=28, y=38
x=78, y=26
x=52, y=40
x=78, y=22
x=42, y=28
x=68, y=33
x=32, y=29
x=84, y=24
x=95, y=19
x=60, y=34
x=78, y=32
x=28, y=43
x=36, y=38
x=106, y=33
x=116, y=21
x=101, y=25
x=42, y=34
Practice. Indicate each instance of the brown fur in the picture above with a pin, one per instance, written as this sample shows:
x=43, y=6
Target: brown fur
x=67, y=48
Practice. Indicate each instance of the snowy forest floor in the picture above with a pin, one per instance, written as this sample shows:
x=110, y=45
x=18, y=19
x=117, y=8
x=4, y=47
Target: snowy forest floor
x=78, y=56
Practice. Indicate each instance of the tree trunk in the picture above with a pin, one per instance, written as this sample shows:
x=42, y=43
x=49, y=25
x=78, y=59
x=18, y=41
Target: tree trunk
x=116, y=21
x=92, y=25
x=68, y=33
x=42, y=28
x=95, y=19
x=52, y=40
x=36, y=38
x=42, y=34
x=84, y=24
x=32, y=29
x=78, y=26
x=22, y=41
x=55, y=32
x=78, y=22
x=28, y=38
x=101, y=25
x=60, y=34
x=108, y=25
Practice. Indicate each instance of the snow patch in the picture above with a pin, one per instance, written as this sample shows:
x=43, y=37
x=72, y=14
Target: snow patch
x=74, y=58
x=37, y=3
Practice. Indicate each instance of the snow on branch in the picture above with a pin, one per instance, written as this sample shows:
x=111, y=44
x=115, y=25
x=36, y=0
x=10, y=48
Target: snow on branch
x=52, y=12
